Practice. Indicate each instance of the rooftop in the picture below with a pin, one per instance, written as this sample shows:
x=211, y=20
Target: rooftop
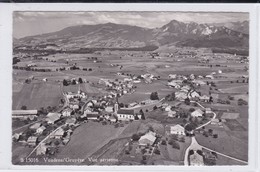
x=24, y=112
x=125, y=111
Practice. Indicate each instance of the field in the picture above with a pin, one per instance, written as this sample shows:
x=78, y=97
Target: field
x=87, y=139
x=37, y=95
x=94, y=140
x=19, y=152
x=232, y=143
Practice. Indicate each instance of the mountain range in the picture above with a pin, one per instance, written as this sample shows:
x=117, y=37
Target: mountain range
x=111, y=35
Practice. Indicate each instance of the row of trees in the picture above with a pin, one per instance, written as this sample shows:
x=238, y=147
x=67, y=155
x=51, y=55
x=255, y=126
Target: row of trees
x=73, y=82
x=31, y=69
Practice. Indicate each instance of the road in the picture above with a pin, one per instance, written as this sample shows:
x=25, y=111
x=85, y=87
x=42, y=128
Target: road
x=230, y=157
x=193, y=146
x=44, y=140
x=196, y=146
x=18, y=130
x=207, y=123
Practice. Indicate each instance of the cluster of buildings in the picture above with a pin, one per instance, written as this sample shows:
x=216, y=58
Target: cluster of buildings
x=185, y=90
x=118, y=87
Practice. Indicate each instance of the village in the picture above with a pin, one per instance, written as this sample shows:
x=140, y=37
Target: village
x=185, y=113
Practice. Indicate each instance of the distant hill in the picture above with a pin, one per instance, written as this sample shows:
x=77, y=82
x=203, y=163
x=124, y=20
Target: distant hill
x=112, y=35
x=236, y=26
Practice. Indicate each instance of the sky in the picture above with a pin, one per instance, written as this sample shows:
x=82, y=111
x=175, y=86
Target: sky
x=34, y=23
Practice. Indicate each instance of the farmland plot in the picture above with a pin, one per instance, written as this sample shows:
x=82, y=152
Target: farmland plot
x=37, y=95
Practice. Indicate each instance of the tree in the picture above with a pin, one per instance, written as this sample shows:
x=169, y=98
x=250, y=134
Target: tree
x=57, y=142
x=80, y=80
x=200, y=152
x=182, y=139
x=187, y=101
x=163, y=142
x=74, y=82
x=24, y=107
x=121, y=105
x=151, y=128
x=29, y=133
x=189, y=127
x=154, y=96
x=143, y=117
x=175, y=145
x=141, y=112
x=135, y=137
x=65, y=83
x=157, y=151
x=210, y=99
x=191, y=110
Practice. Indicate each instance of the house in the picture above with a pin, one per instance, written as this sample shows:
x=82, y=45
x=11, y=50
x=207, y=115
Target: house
x=53, y=117
x=174, y=84
x=41, y=150
x=40, y=130
x=58, y=134
x=66, y=140
x=133, y=104
x=112, y=119
x=209, y=77
x=24, y=114
x=196, y=159
x=197, y=113
x=125, y=114
x=109, y=109
x=208, y=110
x=35, y=126
x=198, y=82
x=194, y=94
x=181, y=95
x=172, y=113
x=147, y=139
x=204, y=98
x=74, y=106
x=192, y=76
x=71, y=121
x=214, y=121
x=215, y=96
x=32, y=141
x=185, y=88
x=92, y=115
x=66, y=112
x=168, y=108
x=16, y=136
x=177, y=129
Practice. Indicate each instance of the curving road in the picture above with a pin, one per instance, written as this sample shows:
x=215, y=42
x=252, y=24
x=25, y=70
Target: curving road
x=196, y=146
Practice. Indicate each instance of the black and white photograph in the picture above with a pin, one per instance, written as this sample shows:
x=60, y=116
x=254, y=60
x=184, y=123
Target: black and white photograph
x=121, y=88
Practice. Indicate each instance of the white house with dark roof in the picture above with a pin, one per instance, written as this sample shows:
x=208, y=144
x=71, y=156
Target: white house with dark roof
x=147, y=139
x=35, y=126
x=32, y=141
x=197, y=113
x=67, y=112
x=40, y=130
x=53, y=117
x=177, y=129
x=125, y=114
